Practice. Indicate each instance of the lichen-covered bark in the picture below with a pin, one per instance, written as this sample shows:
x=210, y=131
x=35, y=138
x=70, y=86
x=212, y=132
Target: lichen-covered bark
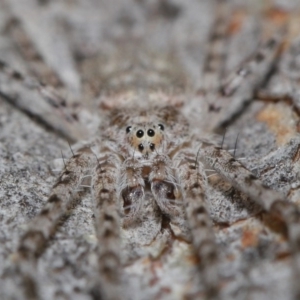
x=88, y=51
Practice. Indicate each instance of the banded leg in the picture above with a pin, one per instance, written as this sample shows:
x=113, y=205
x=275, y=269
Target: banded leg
x=193, y=183
x=108, y=224
x=270, y=200
x=258, y=63
x=41, y=102
x=43, y=225
x=285, y=84
x=240, y=86
x=216, y=51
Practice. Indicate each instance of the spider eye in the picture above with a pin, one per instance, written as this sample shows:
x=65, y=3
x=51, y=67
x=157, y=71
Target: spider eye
x=141, y=147
x=151, y=132
x=128, y=129
x=152, y=147
x=161, y=126
x=140, y=133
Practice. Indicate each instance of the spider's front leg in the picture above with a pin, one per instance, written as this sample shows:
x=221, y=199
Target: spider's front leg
x=187, y=183
x=193, y=183
x=43, y=225
x=105, y=196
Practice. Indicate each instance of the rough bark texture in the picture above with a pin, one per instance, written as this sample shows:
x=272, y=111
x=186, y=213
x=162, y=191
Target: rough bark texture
x=84, y=49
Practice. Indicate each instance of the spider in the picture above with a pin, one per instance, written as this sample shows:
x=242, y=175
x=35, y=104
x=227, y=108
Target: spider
x=147, y=169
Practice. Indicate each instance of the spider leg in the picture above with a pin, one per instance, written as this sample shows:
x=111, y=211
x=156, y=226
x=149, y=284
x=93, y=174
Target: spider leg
x=240, y=86
x=285, y=84
x=43, y=225
x=270, y=200
x=56, y=54
x=191, y=189
x=213, y=68
x=258, y=63
x=105, y=196
x=39, y=101
x=193, y=184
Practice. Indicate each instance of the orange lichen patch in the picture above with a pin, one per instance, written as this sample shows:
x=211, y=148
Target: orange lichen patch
x=276, y=19
x=280, y=120
x=277, y=16
x=249, y=238
x=146, y=261
x=236, y=22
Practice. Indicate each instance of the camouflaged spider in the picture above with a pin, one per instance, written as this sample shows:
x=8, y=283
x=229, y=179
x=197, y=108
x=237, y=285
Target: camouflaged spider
x=146, y=165
x=148, y=151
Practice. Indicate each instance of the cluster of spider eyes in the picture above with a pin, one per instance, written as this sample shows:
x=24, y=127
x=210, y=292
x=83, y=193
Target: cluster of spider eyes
x=150, y=132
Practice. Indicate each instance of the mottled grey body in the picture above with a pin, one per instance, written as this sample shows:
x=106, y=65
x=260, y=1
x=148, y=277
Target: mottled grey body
x=144, y=161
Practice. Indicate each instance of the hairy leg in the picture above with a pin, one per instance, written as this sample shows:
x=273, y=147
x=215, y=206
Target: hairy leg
x=193, y=184
x=216, y=51
x=41, y=102
x=188, y=183
x=257, y=65
x=43, y=225
x=108, y=224
x=271, y=201
x=239, y=87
